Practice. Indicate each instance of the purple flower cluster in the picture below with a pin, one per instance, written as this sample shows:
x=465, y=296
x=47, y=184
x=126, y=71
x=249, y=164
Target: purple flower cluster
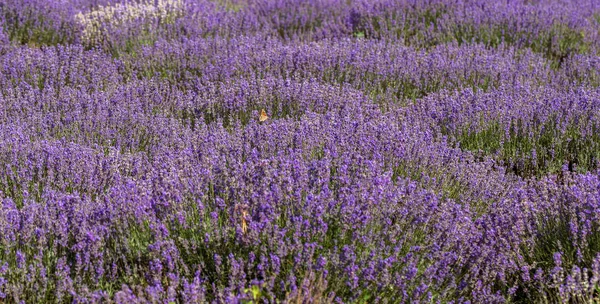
x=413, y=151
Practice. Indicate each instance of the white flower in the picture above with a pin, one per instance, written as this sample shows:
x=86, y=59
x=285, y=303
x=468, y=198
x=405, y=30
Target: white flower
x=94, y=22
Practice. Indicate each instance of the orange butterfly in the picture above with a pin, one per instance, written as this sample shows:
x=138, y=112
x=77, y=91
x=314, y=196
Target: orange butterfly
x=244, y=223
x=263, y=116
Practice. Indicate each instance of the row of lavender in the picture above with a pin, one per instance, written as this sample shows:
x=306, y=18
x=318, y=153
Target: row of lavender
x=415, y=151
x=555, y=28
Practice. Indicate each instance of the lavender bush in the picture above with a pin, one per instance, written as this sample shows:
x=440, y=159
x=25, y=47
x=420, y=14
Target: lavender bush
x=409, y=151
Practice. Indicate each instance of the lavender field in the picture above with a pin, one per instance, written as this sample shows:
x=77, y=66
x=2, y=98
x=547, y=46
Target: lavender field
x=299, y=151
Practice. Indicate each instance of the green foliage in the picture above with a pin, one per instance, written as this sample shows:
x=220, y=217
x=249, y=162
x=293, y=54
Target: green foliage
x=556, y=43
x=535, y=151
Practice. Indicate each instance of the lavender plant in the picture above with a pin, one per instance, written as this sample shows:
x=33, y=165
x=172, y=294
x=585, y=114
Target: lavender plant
x=408, y=151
